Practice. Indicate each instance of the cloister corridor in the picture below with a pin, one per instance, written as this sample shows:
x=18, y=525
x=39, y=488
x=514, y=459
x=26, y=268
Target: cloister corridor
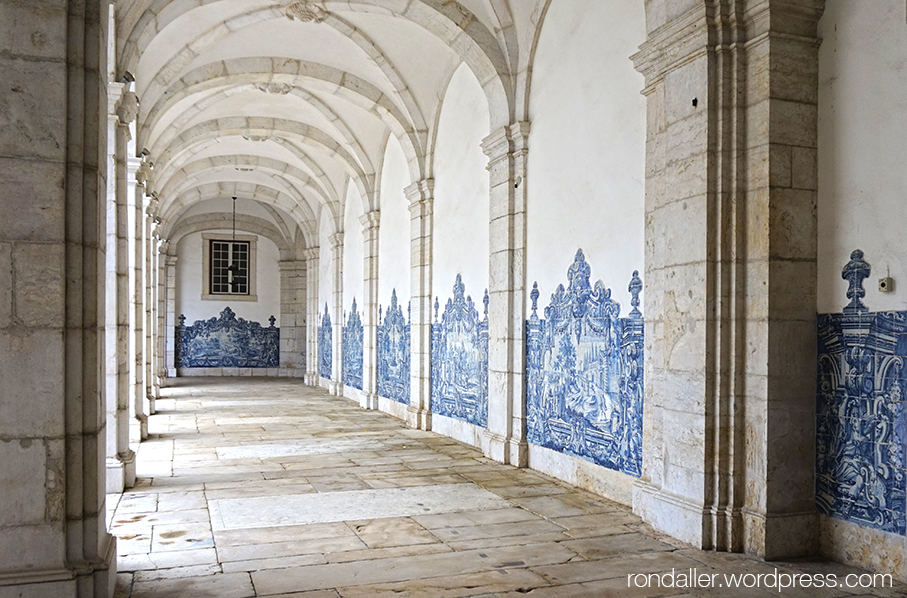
x=269, y=487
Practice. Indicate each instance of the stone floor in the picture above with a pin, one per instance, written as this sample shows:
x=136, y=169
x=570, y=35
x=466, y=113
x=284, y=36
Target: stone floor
x=271, y=488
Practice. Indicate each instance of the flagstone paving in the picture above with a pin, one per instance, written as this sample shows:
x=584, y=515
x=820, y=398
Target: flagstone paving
x=273, y=488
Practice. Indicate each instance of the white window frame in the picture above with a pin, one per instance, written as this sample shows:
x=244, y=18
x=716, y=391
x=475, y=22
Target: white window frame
x=252, y=240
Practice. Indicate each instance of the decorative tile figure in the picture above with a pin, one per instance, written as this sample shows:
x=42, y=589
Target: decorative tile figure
x=352, y=349
x=325, y=345
x=393, y=353
x=860, y=404
x=227, y=342
x=584, y=391
x=459, y=359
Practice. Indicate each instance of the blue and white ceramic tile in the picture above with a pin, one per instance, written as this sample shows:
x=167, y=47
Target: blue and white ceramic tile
x=325, y=345
x=860, y=404
x=393, y=353
x=459, y=359
x=227, y=342
x=584, y=387
x=352, y=349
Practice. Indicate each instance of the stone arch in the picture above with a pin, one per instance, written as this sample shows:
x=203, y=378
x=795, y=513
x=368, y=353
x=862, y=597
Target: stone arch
x=220, y=220
x=449, y=21
x=220, y=76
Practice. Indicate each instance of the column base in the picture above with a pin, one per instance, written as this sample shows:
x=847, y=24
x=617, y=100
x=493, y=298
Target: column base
x=671, y=514
x=368, y=400
x=120, y=472
x=782, y=535
x=506, y=450
x=419, y=419
x=311, y=379
x=142, y=420
x=98, y=581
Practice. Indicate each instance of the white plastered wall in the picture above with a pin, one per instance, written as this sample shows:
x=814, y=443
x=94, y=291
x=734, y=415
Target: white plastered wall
x=587, y=146
x=586, y=172
x=189, y=282
x=862, y=150
x=325, y=264
x=353, y=250
x=353, y=263
x=394, y=229
x=460, y=239
x=862, y=186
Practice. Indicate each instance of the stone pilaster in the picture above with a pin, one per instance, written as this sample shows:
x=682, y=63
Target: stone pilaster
x=370, y=223
x=313, y=318
x=337, y=320
x=505, y=438
x=53, y=540
x=730, y=230
x=160, y=314
x=120, y=460
x=137, y=305
x=170, y=323
x=292, y=317
x=148, y=282
x=421, y=212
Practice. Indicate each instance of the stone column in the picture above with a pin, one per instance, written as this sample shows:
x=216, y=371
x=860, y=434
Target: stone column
x=161, y=314
x=313, y=317
x=170, y=324
x=505, y=438
x=337, y=313
x=52, y=221
x=421, y=212
x=370, y=222
x=120, y=458
x=148, y=290
x=137, y=245
x=292, y=317
x=730, y=231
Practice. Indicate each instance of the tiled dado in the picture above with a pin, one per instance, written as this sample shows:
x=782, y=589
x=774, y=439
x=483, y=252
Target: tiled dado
x=860, y=403
x=459, y=359
x=393, y=353
x=352, y=349
x=325, y=345
x=227, y=342
x=584, y=373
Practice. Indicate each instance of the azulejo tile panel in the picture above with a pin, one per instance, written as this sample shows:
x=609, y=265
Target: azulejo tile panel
x=325, y=345
x=459, y=359
x=393, y=353
x=584, y=388
x=352, y=349
x=860, y=405
x=227, y=342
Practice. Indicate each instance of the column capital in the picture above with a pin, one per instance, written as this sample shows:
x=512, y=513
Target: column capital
x=284, y=265
x=503, y=142
x=312, y=253
x=370, y=220
x=114, y=97
x=171, y=260
x=420, y=191
x=336, y=240
x=128, y=107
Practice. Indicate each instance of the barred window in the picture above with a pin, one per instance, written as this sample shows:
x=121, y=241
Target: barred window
x=229, y=267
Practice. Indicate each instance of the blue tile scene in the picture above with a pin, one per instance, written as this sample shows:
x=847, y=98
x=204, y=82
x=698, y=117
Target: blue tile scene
x=352, y=349
x=584, y=387
x=860, y=405
x=325, y=345
x=226, y=342
x=459, y=359
x=393, y=353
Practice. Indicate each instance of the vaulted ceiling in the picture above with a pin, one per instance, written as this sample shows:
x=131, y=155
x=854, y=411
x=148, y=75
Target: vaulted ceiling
x=289, y=102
